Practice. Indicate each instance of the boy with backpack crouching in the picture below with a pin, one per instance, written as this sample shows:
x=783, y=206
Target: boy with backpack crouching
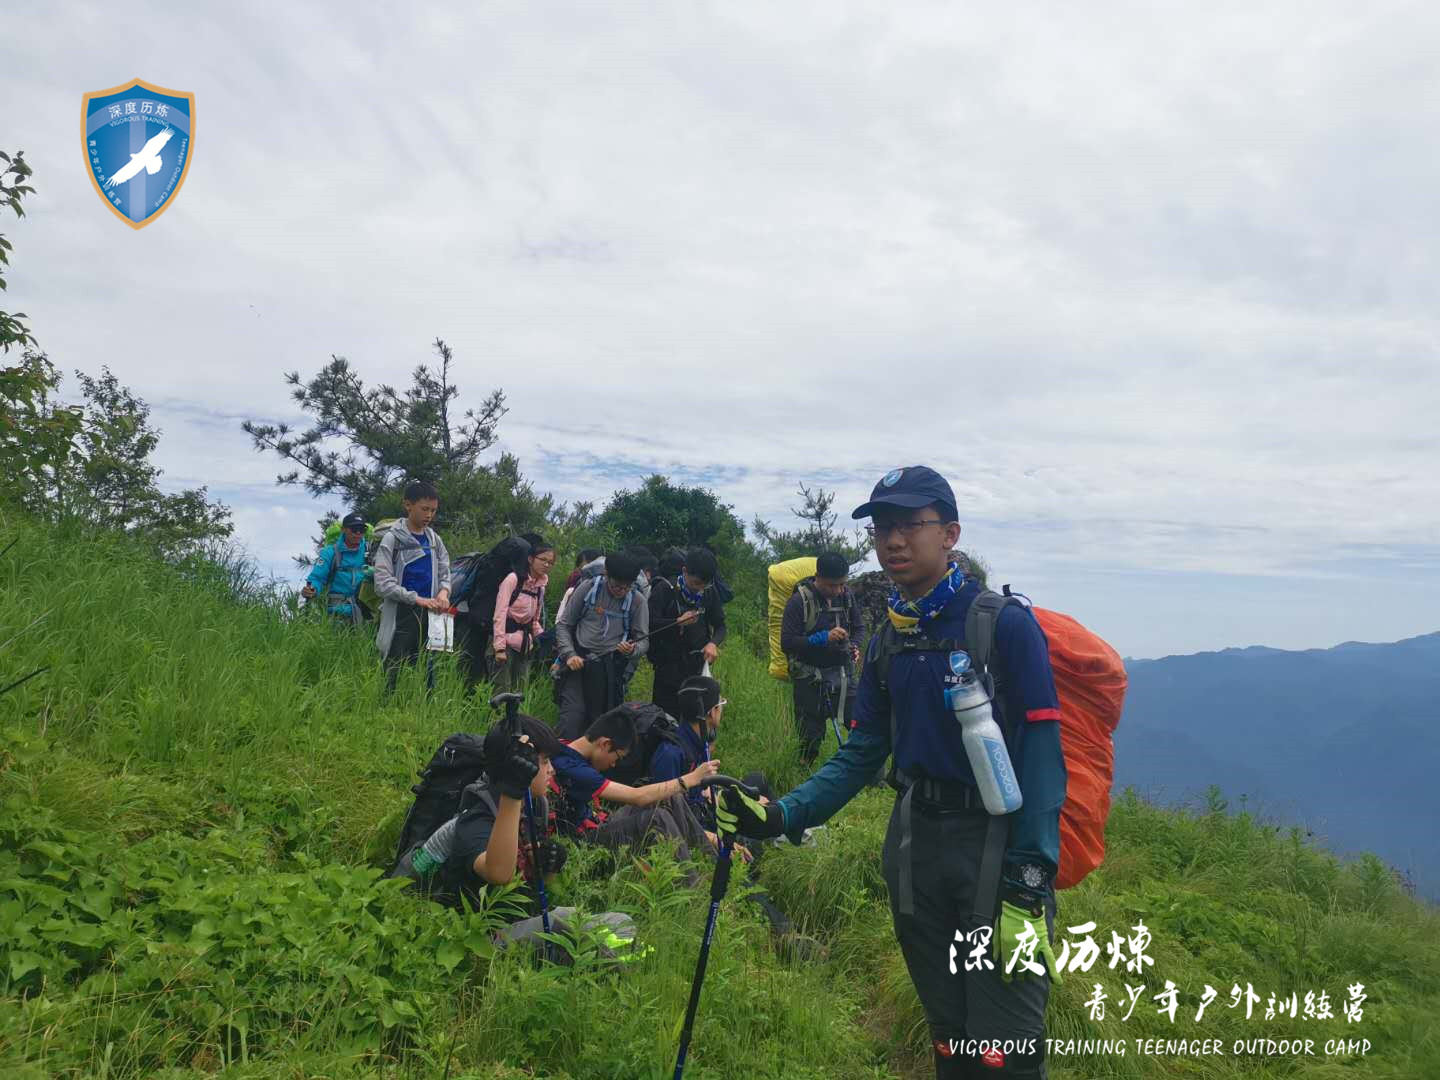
x=650, y=808
x=481, y=845
x=485, y=843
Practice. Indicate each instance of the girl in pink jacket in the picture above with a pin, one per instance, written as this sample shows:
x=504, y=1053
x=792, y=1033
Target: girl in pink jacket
x=519, y=619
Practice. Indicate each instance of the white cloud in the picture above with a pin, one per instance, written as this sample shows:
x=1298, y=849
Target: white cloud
x=1155, y=285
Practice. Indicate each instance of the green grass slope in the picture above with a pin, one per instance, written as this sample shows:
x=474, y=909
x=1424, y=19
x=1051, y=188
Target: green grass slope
x=197, y=798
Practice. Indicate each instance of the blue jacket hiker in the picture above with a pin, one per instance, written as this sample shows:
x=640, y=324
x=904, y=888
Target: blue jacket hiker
x=340, y=570
x=952, y=868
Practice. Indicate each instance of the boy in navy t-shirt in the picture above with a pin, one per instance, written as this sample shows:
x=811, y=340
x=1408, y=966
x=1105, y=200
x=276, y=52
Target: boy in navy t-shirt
x=658, y=808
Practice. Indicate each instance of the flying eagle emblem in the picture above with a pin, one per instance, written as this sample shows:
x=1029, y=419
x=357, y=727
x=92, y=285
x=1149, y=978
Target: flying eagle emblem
x=147, y=158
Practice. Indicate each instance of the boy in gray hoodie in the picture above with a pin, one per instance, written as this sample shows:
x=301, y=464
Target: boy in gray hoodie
x=596, y=633
x=412, y=577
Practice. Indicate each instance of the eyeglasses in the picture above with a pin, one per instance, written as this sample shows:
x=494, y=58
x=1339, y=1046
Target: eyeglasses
x=906, y=529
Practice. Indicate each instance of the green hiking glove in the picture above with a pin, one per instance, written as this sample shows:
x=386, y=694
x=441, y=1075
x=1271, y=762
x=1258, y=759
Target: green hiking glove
x=737, y=814
x=1015, y=930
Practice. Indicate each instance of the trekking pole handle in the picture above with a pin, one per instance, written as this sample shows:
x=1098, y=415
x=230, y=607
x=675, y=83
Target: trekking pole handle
x=719, y=780
x=511, y=704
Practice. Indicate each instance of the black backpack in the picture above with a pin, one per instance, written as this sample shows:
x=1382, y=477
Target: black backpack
x=653, y=725
x=476, y=578
x=457, y=764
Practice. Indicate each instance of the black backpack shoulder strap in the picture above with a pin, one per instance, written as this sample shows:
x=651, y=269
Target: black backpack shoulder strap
x=882, y=650
x=879, y=653
x=809, y=606
x=981, y=621
x=479, y=792
x=884, y=647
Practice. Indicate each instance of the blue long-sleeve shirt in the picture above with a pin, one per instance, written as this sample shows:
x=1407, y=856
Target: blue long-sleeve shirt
x=671, y=760
x=928, y=738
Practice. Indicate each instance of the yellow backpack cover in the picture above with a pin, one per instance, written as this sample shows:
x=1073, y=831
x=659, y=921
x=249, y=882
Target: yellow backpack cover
x=783, y=577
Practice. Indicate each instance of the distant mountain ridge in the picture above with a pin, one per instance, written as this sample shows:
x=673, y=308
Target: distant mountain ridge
x=1423, y=641
x=1344, y=740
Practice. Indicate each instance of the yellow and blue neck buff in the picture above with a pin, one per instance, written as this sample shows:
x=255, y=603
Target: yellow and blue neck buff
x=907, y=615
x=693, y=599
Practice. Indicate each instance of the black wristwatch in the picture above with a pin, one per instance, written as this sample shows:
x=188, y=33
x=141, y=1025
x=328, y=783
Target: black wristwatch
x=1033, y=876
x=1026, y=885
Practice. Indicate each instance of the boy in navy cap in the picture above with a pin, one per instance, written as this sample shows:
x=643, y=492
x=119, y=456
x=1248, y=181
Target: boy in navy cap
x=951, y=867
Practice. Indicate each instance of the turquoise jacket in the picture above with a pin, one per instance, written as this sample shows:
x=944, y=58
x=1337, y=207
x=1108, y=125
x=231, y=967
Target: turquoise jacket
x=348, y=575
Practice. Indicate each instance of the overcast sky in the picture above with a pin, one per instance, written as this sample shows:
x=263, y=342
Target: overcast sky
x=1153, y=284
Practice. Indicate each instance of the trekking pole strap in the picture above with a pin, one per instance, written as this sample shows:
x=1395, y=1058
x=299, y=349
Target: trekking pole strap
x=907, y=876
x=992, y=856
x=720, y=780
x=721, y=881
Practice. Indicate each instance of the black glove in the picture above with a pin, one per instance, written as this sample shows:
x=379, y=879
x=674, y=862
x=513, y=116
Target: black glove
x=739, y=814
x=552, y=856
x=510, y=763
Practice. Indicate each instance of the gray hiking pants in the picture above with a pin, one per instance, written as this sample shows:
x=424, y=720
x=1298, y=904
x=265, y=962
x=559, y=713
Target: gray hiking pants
x=974, y=1005
x=583, y=695
x=635, y=826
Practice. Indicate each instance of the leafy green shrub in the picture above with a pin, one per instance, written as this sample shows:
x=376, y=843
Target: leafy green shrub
x=182, y=944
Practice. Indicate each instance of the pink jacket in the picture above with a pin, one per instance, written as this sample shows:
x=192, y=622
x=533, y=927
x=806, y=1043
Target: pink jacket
x=523, y=605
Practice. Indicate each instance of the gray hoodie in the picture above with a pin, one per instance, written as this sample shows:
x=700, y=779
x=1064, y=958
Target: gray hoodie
x=586, y=633
x=397, y=550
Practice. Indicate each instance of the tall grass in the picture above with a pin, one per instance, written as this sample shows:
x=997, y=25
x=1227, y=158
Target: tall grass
x=188, y=753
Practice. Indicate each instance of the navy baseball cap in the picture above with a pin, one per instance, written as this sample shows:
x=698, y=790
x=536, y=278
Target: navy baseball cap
x=908, y=489
x=354, y=522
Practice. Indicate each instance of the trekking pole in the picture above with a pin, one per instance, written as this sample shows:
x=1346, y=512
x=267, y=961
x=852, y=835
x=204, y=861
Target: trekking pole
x=718, y=885
x=636, y=641
x=24, y=679
x=835, y=721
x=511, y=704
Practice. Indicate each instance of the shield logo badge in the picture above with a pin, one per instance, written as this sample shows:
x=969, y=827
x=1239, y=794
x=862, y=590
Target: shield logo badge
x=137, y=138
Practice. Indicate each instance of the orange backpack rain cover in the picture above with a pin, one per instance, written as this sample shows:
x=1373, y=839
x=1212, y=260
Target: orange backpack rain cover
x=1090, y=682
